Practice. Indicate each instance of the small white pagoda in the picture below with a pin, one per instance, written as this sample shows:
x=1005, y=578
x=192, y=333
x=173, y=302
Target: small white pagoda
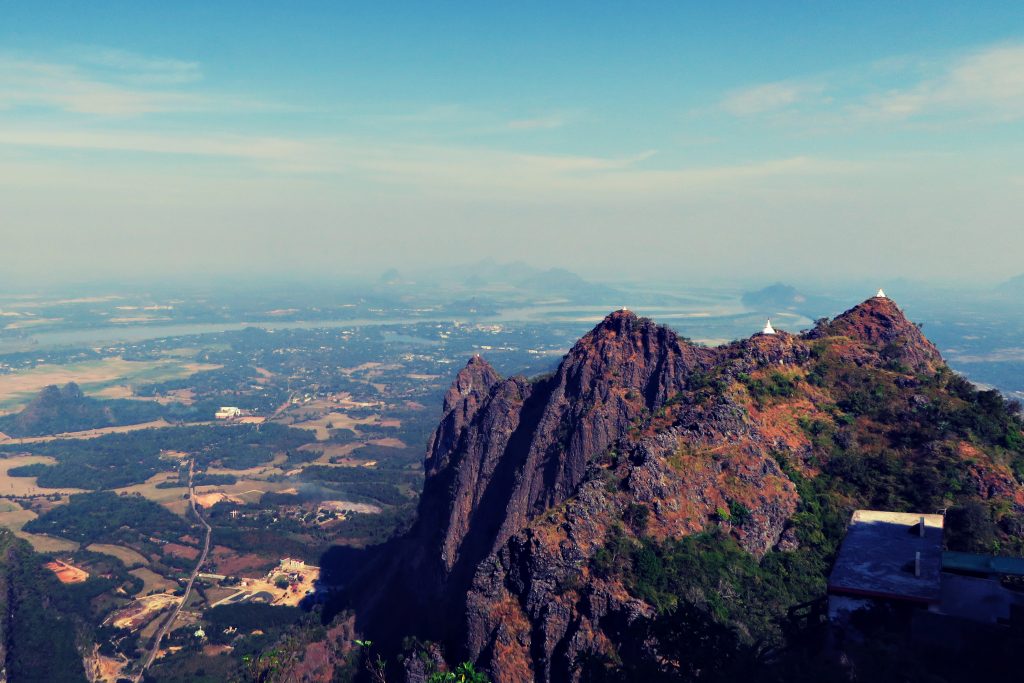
x=768, y=329
x=881, y=295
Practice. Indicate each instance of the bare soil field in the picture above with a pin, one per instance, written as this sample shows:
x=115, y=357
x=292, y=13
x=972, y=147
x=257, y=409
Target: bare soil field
x=103, y=669
x=127, y=555
x=231, y=563
x=142, y=611
x=67, y=573
x=349, y=506
x=208, y=500
x=178, y=550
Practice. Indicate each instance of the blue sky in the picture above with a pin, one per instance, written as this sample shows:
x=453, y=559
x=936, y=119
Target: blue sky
x=702, y=141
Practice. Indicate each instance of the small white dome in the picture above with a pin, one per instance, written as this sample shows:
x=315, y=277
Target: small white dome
x=880, y=295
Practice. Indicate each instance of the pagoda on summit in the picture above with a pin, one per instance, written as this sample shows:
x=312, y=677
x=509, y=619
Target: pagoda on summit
x=768, y=329
x=881, y=295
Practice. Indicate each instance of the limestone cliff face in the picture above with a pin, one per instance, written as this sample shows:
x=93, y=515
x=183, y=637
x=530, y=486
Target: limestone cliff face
x=525, y=480
x=507, y=450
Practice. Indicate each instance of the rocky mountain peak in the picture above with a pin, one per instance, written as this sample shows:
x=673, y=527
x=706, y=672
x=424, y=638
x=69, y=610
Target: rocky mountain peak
x=469, y=390
x=879, y=322
x=472, y=384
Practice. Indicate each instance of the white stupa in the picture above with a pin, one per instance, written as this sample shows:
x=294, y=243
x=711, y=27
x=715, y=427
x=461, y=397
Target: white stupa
x=768, y=329
x=880, y=295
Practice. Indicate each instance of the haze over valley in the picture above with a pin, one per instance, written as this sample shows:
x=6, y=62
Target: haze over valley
x=511, y=343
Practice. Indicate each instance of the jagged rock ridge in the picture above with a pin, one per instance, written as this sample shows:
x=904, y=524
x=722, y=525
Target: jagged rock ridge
x=525, y=480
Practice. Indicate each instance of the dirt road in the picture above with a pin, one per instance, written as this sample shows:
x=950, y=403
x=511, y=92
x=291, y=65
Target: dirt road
x=163, y=630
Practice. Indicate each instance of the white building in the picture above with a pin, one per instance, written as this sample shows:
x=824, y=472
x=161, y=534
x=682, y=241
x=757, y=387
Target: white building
x=227, y=412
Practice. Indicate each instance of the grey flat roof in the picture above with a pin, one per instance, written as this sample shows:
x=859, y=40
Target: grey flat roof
x=877, y=557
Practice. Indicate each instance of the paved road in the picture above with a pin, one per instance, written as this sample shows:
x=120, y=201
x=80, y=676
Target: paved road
x=191, y=579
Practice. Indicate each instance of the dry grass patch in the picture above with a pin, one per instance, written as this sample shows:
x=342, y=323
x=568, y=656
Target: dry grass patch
x=16, y=518
x=148, y=489
x=42, y=543
x=19, y=387
x=333, y=420
x=388, y=442
x=128, y=556
x=153, y=582
x=93, y=433
x=26, y=486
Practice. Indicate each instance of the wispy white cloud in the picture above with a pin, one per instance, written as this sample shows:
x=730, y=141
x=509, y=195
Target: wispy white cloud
x=268, y=150
x=139, y=68
x=114, y=83
x=449, y=170
x=985, y=84
x=988, y=82
x=768, y=97
x=538, y=123
x=63, y=87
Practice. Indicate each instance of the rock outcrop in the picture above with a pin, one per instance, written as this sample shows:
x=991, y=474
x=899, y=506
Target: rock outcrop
x=526, y=480
x=880, y=325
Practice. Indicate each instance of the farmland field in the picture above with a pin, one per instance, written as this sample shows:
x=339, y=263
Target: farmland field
x=94, y=376
x=126, y=555
x=153, y=582
x=26, y=486
x=42, y=543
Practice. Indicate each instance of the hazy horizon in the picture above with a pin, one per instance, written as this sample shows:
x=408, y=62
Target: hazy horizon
x=735, y=143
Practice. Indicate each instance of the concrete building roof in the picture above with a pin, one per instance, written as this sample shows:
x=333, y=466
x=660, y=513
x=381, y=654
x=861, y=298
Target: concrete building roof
x=877, y=558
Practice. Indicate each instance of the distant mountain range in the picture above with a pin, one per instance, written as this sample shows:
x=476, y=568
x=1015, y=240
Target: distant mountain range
x=780, y=297
x=490, y=274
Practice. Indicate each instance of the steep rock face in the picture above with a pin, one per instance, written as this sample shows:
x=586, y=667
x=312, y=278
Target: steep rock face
x=468, y=392
x=506, y=450
x=624, y=367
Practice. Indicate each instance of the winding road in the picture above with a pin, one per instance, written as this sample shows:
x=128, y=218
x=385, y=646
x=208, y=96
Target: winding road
x=158, y=638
